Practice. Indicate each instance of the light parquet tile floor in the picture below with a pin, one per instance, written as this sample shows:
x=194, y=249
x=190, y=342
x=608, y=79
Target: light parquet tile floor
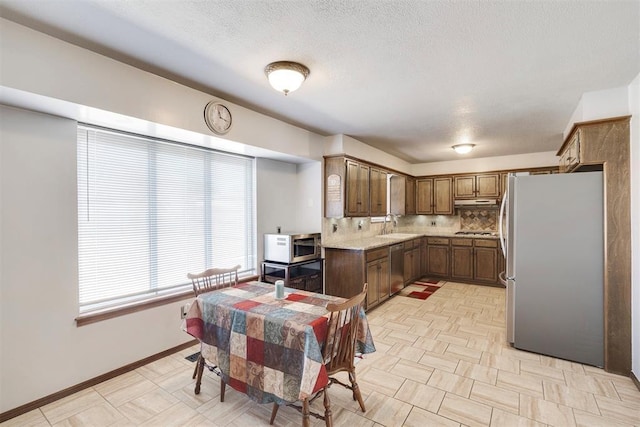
x=439, y=362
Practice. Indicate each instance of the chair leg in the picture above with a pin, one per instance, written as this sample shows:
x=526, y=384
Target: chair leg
x=223, y=387
x=356, y=390
x=274, y=412
x=195, y=369
x=305, y=413
x=200, y=368
x=328, y=415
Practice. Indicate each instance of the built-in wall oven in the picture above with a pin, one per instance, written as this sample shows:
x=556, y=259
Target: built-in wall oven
x=290, y=248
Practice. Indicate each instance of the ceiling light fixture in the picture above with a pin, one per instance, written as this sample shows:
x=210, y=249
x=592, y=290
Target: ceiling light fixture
x=463, y=148
x=286, y=76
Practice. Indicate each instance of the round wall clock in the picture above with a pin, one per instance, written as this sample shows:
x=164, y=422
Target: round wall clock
x=217, y=117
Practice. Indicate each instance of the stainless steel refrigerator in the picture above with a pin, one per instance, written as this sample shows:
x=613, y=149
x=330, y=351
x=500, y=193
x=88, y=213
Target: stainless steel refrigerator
x=553, y=239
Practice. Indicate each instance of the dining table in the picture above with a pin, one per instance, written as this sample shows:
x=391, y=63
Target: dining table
x=268, y=348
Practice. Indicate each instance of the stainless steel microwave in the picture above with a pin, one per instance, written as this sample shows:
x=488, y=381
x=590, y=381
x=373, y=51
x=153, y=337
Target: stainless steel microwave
x=291, y=248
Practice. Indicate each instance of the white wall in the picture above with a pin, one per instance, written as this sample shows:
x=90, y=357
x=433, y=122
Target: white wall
x=38, y=261
x=519, y=161
x=309, y=210
x=344, y=144
x=43, y=68
x=634, y=110
x=42, y=351
x=289, y=196
x=600, y=104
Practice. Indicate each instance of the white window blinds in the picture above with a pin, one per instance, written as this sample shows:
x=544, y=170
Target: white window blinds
x=150, y=211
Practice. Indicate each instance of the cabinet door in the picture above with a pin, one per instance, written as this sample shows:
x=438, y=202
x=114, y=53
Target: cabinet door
x=357, y=189
x=442, y=196
x=407, y=266
x=438, y=260
x=378, y=192
x=397, y=195
x=373, y=284
x=486, y=264
x=415, y=263
x=410, y=197
x=462, y=262
x=464, y=187
x=424, y=196
x=383, y=279
x=424, y=262
x=488, y=185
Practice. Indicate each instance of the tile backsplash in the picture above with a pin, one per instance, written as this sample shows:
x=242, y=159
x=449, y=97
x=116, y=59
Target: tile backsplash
x=478, y=219
x=467, y=219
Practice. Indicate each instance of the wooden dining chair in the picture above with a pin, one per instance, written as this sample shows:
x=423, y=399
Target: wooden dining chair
x=214, y=278
x=338, y=355
x=207, y=281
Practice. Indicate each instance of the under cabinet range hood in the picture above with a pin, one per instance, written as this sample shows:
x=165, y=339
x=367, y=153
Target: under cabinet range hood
x=476, y=202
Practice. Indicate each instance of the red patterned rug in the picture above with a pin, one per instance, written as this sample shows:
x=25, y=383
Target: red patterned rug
x=422, y=289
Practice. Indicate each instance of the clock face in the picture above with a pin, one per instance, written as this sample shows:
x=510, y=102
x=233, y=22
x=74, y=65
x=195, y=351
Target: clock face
x=217, y=117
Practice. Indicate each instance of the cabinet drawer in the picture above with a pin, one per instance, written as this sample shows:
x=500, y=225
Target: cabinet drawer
x=486, y=243
x=377, y=253
x=437, y=241
x=462, y=242
x=411, y=244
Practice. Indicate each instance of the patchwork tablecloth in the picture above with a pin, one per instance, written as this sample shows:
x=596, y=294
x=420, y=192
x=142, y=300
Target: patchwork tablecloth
x=269, y=349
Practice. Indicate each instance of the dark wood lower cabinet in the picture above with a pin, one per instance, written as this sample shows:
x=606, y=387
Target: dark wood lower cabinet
x=486, y=265
x=411, y=269
x=460, y=259
x=462, y=264
x=377, y=280
x=438, y=255
x=465, y=259
x=348, y=270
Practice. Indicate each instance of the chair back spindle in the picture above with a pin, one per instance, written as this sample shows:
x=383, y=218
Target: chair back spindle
x=214, y=278
x=342, y=334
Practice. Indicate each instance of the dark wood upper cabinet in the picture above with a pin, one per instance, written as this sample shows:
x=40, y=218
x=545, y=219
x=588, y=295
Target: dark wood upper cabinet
x=424, y=196
x=434, y=196
x=410, y=196
x=473, y=186
x=378, y=192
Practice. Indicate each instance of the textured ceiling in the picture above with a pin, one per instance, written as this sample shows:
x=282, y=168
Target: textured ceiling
x=411, y=77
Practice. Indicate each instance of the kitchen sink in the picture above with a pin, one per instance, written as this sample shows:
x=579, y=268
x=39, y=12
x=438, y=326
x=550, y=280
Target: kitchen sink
x=398, y=235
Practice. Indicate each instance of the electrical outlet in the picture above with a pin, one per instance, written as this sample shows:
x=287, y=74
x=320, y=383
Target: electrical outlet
x=433, y=223
x=183, y=311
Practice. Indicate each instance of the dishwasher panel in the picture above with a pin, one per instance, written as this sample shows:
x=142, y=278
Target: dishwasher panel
x=397, y=266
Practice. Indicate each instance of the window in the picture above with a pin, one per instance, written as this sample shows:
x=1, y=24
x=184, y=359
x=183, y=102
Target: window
x=151, y=211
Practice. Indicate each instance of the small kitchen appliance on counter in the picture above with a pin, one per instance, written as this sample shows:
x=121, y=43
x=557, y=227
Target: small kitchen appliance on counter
x=290, y=248
x=294, y=258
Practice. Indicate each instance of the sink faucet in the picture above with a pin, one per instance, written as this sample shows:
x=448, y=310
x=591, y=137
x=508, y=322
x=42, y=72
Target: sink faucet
x=384, y=228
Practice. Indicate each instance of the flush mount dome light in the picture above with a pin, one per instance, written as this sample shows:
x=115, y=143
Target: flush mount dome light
x=463, y=148
x=286, y=76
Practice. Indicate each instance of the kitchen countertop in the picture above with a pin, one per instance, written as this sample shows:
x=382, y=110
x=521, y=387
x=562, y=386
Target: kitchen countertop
x=372, y=242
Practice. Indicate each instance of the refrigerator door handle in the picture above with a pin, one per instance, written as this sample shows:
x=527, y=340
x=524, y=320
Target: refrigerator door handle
x=500, y=224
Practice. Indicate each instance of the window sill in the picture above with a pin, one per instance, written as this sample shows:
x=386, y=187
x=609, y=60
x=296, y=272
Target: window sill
x=98, y=316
